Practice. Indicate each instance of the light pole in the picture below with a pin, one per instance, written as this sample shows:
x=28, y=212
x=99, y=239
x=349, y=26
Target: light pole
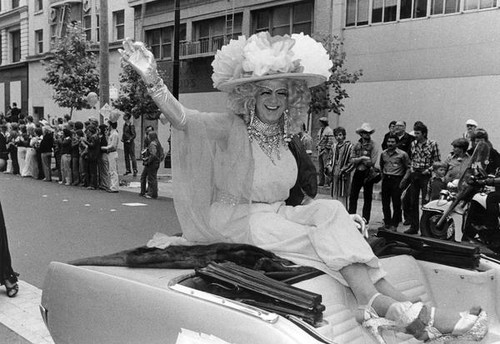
x=103, y=56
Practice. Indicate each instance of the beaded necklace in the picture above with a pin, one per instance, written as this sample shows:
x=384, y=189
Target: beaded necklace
x=269, y=136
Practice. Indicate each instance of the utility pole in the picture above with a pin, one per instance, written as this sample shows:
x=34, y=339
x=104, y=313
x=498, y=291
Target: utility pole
x=175, y=71
x=103, y=56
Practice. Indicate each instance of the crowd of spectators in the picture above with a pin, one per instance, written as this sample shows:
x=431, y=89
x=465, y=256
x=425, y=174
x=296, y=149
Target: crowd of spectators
x=409, y=165
x=80, y=150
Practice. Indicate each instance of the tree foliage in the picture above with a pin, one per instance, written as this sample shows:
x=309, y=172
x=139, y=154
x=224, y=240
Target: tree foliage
x=134, y=98
x=72, y=70
x=322, y=98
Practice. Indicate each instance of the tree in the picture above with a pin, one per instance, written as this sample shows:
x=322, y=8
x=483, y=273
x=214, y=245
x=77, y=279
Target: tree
x=72, y=70
x=322, y=98
x=134, y=98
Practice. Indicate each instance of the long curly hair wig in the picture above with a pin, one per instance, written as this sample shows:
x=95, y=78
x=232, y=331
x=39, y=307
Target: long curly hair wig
x=241, y=100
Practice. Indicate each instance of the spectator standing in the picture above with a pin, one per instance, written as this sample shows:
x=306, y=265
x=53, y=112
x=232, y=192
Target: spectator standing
x=152, y=158
x=392, y=129
x=14, y=113
x=76, y=169
x=128, y=137
x=437, y=182
x=103, y=162
x=424, y=153
x=471, y=126
x=341, y=166
x=404, y=143
x=395, y=169
x=457, y=161
x=306, y=140
x=364, y=157
x=111, y=149
x=4, y=153
x=45, y=149
x=144, y=173
x=22, y=143
x=12, y=148
x=324, y=145
x=66, y=157
x=94, y=147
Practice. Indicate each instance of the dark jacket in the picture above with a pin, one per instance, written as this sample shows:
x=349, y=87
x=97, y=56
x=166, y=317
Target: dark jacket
x=4, y=154
x=307, y=181
x=47, y=143
x=128, y=132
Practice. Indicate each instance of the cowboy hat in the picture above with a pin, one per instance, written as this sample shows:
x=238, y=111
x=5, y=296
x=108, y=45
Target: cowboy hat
x=366, y=127
x=266, y=57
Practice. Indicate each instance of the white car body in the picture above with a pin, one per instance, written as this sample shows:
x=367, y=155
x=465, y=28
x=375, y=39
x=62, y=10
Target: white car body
x=105, y=305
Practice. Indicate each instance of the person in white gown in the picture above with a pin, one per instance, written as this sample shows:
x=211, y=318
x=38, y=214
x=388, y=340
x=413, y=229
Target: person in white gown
x=233, y=171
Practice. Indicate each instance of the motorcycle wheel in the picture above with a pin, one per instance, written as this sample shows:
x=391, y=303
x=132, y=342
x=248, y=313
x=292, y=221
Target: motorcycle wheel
x=429, y=228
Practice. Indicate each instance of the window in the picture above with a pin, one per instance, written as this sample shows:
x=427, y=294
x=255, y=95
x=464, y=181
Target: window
x=15, y=37
x=119, y=24
x=15, y=3
x=161, y=41
x=445, y=6
x=87, y=26
x=39, y=41
x=281, y=20
x=97, y=32
x=53, y=35
x=479, y=4
x=38, y=5
x=213, y=33
x=384, y=11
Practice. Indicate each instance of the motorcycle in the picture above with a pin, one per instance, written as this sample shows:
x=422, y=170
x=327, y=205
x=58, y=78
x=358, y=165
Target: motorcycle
x=446, y=217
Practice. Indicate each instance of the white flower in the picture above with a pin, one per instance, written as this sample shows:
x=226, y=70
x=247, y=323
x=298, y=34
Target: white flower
x=312, y=55
x=228, y=61
x=265, y=55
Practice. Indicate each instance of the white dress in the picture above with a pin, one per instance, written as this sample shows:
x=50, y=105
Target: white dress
x=320, y=234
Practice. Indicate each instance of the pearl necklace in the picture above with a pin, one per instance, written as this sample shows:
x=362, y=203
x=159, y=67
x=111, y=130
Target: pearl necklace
x=269, y=136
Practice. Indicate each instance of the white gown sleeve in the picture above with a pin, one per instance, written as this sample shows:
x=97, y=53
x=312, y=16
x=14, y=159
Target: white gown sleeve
x=170, y=107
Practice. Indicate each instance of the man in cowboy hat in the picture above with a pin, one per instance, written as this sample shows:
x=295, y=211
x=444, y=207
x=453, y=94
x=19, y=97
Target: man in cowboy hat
x=324, y=146
x=364, y=158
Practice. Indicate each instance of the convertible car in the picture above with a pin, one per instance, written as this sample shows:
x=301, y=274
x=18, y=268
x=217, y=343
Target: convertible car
x=110, y=304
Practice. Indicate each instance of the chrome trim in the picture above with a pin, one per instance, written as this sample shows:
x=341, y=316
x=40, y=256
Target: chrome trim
x=45, y=315
x=309, y=329
x=235, y=305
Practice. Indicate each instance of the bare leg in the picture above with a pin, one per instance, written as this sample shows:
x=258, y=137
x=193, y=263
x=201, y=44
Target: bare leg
x=358, y=279
x=384, y=287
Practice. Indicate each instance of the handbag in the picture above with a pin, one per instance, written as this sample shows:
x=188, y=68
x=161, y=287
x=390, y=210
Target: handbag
x=374, y=176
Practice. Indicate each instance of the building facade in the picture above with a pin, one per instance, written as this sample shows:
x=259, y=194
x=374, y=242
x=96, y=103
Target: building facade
x=14, y=85
x=429, y=60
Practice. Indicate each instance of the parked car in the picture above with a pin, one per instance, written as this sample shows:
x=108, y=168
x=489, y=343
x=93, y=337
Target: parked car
x=103, y=304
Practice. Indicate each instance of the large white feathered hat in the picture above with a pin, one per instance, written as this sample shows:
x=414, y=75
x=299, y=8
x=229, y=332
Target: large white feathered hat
x=263, y=57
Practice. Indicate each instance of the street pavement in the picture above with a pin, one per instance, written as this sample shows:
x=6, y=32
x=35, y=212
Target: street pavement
x=20, y=320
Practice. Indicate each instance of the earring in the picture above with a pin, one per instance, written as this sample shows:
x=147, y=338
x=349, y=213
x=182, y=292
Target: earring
x=252, y=116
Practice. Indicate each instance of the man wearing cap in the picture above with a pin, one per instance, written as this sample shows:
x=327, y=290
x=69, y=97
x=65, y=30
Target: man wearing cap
x=364, y=156
x=424, y=153
x=128, y=137
x=471, y=126
x=324, y=146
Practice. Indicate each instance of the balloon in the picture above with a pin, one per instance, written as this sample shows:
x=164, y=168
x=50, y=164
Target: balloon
x=92, y=99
